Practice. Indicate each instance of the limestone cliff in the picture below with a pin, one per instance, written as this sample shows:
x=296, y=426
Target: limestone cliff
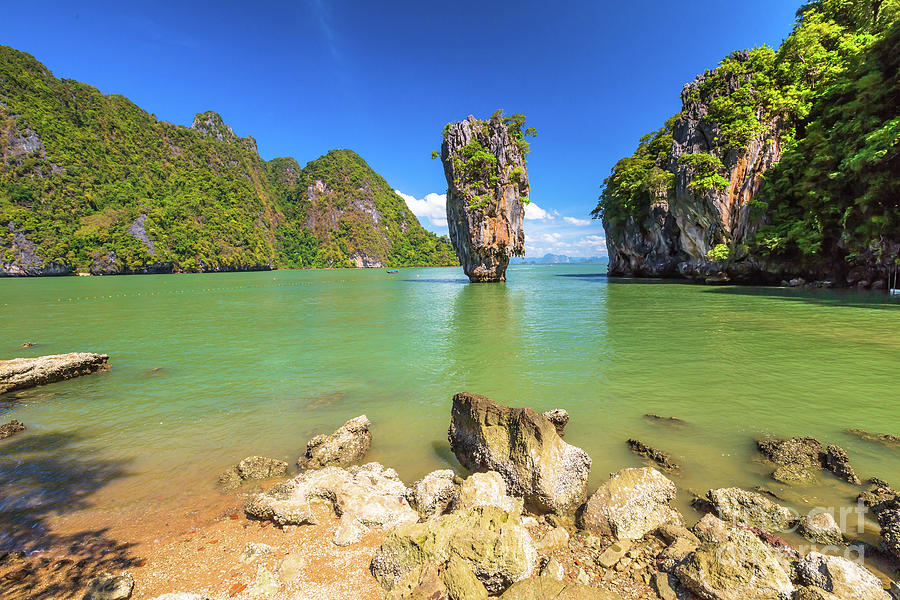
x=487, y=188
x=680, y=228
x=92, y=183
x=781, y=166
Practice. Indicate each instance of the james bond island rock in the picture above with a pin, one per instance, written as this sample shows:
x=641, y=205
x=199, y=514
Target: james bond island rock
x=524, y=448
x=22, y=373
x=487, y=189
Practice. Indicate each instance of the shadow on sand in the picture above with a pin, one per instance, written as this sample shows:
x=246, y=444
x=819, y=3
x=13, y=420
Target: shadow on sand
x=43, y=475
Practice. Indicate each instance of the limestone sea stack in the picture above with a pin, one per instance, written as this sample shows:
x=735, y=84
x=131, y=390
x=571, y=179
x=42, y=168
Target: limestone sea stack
x=487, y=189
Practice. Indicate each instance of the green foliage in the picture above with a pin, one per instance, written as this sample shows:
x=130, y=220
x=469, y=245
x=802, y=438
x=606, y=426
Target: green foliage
x=838, y=188
x=831, y=92
x=707, y=172
x=719, y=252
x=209, y=200
x=639, y=180
x=477, y=170
x=435, y=154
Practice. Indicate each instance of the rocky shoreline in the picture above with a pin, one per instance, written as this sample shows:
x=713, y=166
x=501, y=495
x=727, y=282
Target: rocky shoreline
x=517, y=522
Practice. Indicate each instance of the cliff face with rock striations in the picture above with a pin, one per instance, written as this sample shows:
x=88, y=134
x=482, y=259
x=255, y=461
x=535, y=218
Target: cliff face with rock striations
x=487, y=188
x=781, y=166
x=708, y=201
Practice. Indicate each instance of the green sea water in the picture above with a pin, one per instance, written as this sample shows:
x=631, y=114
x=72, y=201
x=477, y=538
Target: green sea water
x=207, y=369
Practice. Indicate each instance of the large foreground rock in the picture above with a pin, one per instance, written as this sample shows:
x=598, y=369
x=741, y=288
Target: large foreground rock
x=548, y=588
x=492, y=543
x=487, y=182
x=840, y=576
x=366, y=496
x=524, y=448
x=632, y=503
x=348, y=444
x=740, y=567
x=22, y=373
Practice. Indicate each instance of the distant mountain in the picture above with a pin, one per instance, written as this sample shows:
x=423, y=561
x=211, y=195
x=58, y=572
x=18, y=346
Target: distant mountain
x=91, y=182
x=556, y=259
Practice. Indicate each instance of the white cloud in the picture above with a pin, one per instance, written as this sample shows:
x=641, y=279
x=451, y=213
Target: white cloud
x=576, y=222
x=547, y=238
x=533, y=212
x=432, y=207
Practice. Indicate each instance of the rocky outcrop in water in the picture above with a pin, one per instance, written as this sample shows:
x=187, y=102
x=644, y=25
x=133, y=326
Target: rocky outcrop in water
x=251, y=468
x=22, y=373
x=801, y=457
x=487, y=188
x=524, y=448
x=12, y=428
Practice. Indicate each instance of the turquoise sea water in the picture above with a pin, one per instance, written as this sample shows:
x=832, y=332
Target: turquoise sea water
x=207, y=369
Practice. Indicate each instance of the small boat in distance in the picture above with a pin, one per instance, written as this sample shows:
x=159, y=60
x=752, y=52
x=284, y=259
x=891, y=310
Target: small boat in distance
x=393, y=270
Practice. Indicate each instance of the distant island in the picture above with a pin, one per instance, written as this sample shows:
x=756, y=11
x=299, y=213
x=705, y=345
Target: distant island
x=92, y=183
x=552, y=259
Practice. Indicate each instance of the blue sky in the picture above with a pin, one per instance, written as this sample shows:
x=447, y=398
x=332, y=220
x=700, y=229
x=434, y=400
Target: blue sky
x=383, y=78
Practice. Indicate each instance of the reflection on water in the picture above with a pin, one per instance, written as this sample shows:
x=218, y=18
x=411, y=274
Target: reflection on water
x=210, y=368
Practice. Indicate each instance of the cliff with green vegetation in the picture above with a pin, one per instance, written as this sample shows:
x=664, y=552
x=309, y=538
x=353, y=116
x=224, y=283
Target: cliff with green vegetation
x=91, y=182
x=487, y=190
x=781, y=165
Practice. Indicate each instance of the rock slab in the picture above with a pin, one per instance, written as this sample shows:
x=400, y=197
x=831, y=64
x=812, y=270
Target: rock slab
x=23, y=373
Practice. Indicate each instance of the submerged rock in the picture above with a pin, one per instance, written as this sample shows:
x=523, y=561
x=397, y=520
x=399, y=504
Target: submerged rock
x=487, y=188
x=882, y=438
x=492, y=543
x=803, y=456
x=348, y=444
x=12, y=428
x=663, y=459
x=22, y=373
x=250, y=468
x=261, y=467
x=631, y=504
x=524, y=448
